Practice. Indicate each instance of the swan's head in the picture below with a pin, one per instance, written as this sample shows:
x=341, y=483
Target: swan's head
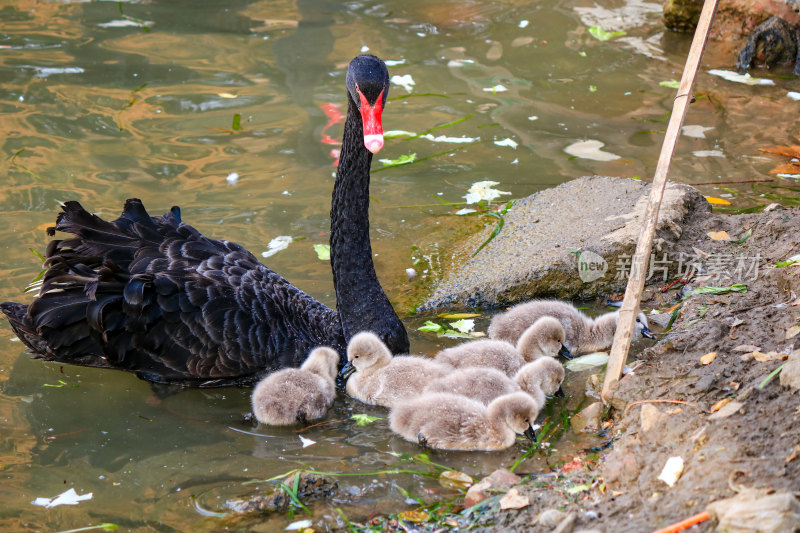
x=368, y=85
x=546, y=374
x=544, y=338
x=322, y=361
x=364, y=350
x=518, y=411
x=640, y=327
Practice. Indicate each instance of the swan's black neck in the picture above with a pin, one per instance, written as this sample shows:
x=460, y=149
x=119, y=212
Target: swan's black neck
x=361, y=302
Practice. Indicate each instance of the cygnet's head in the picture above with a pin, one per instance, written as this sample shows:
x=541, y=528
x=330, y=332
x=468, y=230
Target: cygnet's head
x=518, y=410
x=364, y=350
x=322, y=361
x=640, y=328
x=546, y=374
x=545, y=337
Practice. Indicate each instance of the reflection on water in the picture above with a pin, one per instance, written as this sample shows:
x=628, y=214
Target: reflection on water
x=97, y=109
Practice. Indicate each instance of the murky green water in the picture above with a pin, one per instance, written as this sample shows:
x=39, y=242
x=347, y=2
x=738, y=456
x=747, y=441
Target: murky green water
x=96, y=109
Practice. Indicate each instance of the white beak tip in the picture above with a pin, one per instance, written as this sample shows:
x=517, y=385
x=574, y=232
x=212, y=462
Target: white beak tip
x=373, y=143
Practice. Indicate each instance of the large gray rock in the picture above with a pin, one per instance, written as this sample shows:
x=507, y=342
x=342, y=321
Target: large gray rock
x=531, y=256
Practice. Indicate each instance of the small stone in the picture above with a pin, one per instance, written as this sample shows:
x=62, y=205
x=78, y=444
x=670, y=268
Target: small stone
x=790, y=375
x=477, y=493
x=498, y=480
x=730, y=408
x=513, y=499
x=551, y=518
x=650, y=417
x=589, y=418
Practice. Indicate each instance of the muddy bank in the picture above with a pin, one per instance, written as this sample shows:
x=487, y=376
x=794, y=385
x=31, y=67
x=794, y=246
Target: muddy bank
x=729, y=416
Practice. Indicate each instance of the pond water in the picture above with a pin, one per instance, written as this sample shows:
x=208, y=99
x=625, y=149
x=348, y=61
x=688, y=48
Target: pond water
x=102, y=101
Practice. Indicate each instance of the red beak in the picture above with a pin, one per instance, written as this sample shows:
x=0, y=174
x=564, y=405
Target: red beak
x=371, y=119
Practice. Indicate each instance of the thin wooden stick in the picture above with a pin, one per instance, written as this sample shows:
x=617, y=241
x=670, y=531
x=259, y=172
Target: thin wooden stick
x=638, y=274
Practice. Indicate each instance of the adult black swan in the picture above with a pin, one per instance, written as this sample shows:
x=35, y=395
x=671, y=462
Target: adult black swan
x=154, y=296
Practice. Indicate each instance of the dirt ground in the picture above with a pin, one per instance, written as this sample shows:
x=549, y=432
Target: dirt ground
x=756, y=445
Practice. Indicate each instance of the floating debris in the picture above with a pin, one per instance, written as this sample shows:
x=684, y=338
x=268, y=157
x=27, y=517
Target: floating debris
x=68, y=497
x=747, y=79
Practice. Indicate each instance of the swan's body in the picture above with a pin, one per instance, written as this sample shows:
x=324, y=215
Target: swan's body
x=481, y=384
x=452, y=422
x=544, y=338
x=154, y=296
x=293, y=395
x=538, y=379
x=380, y=379
x=583, y=334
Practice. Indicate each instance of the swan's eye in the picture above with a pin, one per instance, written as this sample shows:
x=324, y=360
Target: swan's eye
x=637, y=320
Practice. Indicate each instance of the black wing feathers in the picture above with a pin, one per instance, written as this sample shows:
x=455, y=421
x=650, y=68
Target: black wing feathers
x=153, y=295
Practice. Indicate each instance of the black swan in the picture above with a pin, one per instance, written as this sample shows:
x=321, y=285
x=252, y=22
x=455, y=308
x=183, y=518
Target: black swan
x=154, y=296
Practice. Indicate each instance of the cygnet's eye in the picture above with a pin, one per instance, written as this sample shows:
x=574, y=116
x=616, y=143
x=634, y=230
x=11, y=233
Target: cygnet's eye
x=356, y=357
x=527, y=420
x=637, y=320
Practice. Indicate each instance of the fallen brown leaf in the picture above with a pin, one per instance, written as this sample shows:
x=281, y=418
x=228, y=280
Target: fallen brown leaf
x=717, y=201
x=747, y=348
x=514, y=500
x=730, y=408
x=788, y=168
x=414, y=516
x=719, y=235
x=453, y=479
x=788, y=151
x=708, y=358
x=720, y=404
x=762, y=357
x=792, y=332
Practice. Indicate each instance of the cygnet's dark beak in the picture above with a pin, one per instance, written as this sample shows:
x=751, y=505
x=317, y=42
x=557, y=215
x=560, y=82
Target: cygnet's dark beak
x=560, y=393
x=647, y=333
x=346, y=370
x=530, y=434
x=564, y=352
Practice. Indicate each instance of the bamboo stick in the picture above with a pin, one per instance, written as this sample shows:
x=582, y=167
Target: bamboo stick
x=639, y=263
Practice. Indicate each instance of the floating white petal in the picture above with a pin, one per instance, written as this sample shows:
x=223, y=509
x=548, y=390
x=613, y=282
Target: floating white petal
x=276, y=245
x=747, y=79
x=696, y=131
x=306, y=442
x=68, y=497
x=590, y=150
x=405, y=81
x=507, y=142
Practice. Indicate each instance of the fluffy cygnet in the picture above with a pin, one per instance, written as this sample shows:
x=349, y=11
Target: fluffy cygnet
x=381, y=379
x=583, y=334
x=544, y=338
x=540, y=378
x=295, y=395
x=452, y=422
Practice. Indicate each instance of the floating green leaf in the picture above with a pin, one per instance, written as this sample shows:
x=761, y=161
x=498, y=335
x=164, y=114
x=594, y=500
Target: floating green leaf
x=738, y=287
x=404, y=159
x=432, y=327
x=672, y=84
x=237, y=122
x=592, y=88
x=323, y=251
x=364, y=419
x=603, y=35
